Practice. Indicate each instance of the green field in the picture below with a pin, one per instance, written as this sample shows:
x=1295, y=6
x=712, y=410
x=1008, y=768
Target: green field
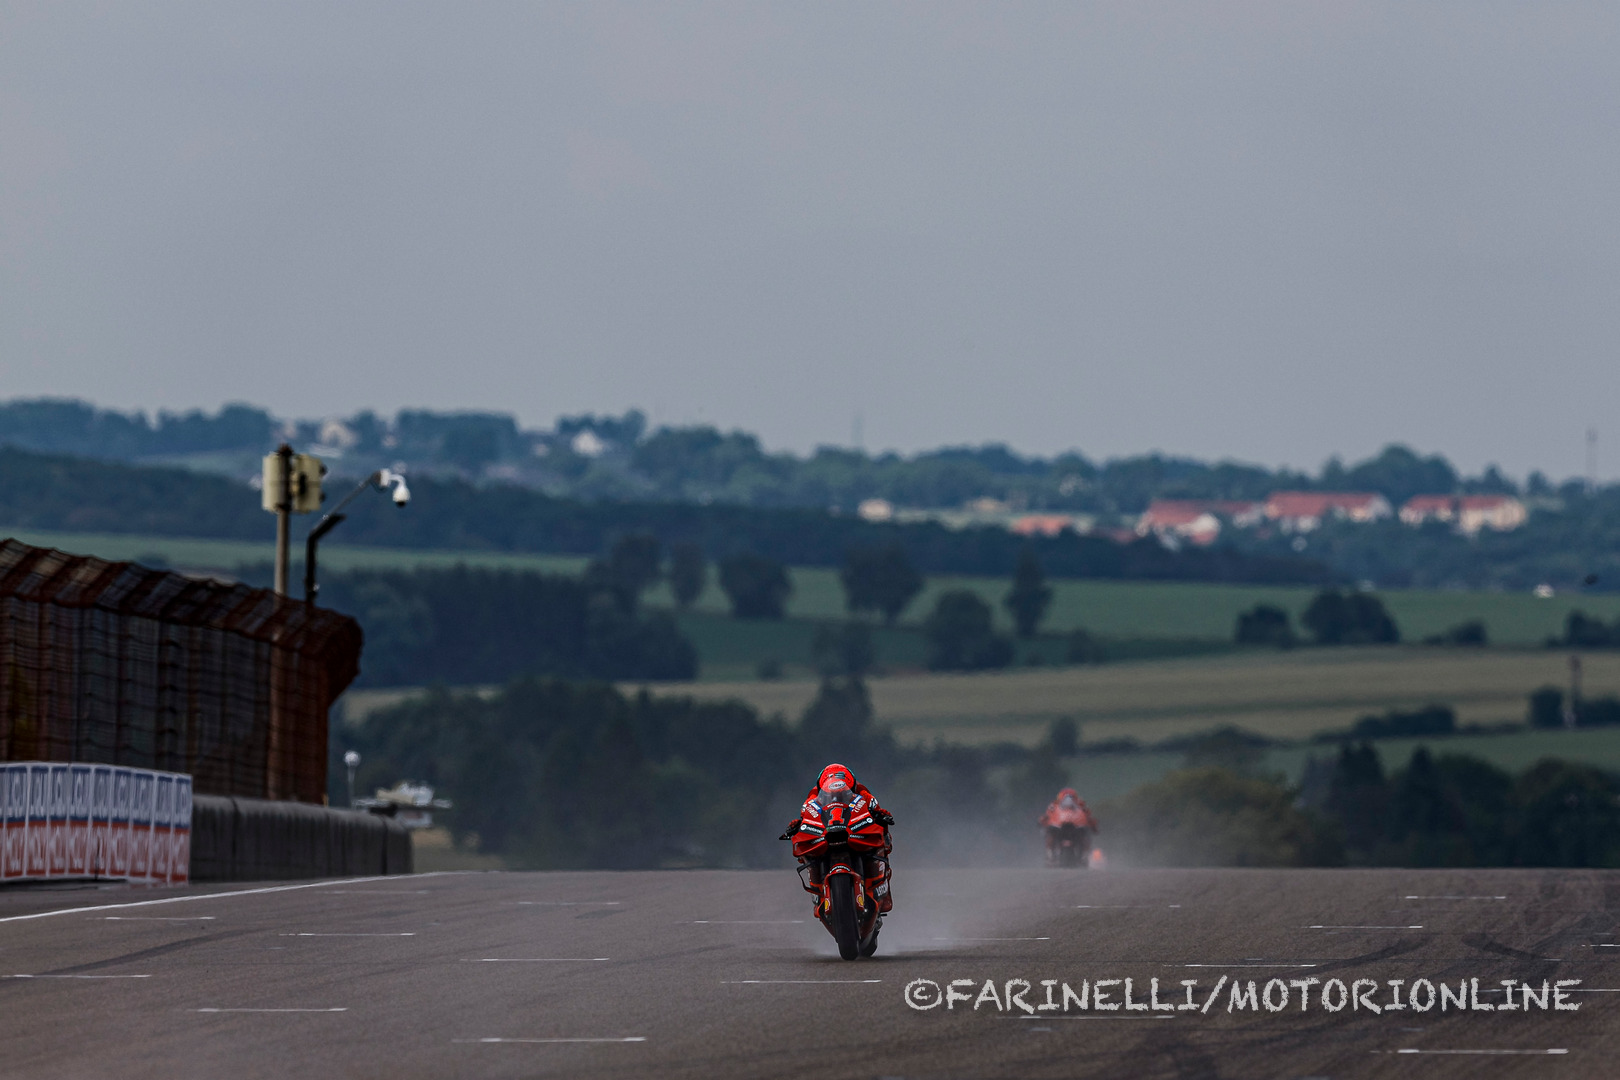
x=191, y=554
x=1112, y=609
x=1293, y=695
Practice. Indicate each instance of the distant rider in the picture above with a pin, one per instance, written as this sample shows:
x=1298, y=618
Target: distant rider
x=1067, y=809
x=834, y=780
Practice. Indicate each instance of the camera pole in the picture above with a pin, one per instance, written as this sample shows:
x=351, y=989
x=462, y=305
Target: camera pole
x=382, y=480
x=283, y=515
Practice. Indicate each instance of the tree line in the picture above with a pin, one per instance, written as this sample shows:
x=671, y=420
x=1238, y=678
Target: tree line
x=595, y=457
x=60, y=493
x=556, y=774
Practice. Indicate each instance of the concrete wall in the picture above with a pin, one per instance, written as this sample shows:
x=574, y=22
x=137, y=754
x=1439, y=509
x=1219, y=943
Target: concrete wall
x=241, y=839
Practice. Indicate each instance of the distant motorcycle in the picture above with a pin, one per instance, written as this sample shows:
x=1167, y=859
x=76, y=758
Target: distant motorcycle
x=1070, y=830
x=840, y=847
x=1071, y=845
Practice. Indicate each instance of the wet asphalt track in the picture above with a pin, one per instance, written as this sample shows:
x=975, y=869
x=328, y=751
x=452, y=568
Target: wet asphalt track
x=719, y=974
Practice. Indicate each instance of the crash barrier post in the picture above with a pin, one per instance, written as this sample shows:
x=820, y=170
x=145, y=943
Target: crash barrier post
x=241, y=839
x=118, y=664
x=65, y=820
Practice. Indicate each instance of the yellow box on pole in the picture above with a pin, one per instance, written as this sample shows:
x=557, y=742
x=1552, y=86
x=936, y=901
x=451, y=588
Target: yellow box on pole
x=270, y=486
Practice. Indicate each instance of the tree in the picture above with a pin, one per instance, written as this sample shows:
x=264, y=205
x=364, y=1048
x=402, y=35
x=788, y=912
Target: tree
x=1546, y=707
x=836, y=726
x=1030, y=595
x=1082, y=648
x=1581, y=631
x=1470, y=633
x=1063, y=737
x=688, y=574
x=1215, y=817
x=1398, y=474
x=881, y=580
x=1264, y=625
x=960, y=635
x=757, y=587
x=629, y=570
x=1357, y=618
x=1569, y=816
x=1358, y=795
x=843, y=650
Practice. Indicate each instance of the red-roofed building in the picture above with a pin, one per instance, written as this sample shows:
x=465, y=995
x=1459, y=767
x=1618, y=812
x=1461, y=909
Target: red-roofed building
x=1302, y=511
x=1471, y=512
x=1047, y=524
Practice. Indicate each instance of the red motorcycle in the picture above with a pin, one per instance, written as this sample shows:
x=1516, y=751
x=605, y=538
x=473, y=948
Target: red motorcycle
x=841, y=850
x=1069, y=829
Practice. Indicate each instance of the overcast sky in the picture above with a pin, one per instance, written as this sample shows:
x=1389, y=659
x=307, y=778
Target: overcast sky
x=1271, y=232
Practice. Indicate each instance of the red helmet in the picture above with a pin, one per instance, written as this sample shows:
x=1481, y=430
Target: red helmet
x=836, y=777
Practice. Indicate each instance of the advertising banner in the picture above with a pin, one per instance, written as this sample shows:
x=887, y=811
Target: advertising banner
x=89, y=821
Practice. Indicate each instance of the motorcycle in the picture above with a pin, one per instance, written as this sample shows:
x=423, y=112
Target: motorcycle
x=1070, y=844
x=1070, y=830
x=840, y=846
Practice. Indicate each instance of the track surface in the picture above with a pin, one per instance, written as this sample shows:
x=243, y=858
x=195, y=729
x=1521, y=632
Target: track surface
x=722, y=974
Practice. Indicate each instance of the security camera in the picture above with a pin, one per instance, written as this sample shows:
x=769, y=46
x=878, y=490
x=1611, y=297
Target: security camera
x=389, y=478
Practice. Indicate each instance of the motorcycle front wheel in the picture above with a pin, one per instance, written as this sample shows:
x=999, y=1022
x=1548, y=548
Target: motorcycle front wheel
x=842, y=916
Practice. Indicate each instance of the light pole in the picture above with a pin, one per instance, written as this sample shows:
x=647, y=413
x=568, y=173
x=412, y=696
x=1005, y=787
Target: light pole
x=352, y=760
x=381, y=480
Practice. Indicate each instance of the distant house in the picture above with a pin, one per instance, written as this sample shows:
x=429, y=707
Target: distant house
x=1302, y=511
x=1048, y=524
x=875, y=510
x=1421, y=508
x=1471, y=513
x=1197, y=520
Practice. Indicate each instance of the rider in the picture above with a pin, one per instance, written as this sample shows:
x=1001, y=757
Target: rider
x=835, y=778
x=1067, y=809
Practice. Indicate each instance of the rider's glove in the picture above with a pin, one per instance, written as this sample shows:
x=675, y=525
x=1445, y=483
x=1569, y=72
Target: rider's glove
x=883, y=817
x=793, y=827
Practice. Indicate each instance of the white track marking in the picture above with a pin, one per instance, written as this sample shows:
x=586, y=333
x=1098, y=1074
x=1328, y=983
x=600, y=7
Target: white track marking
x=381, y=892
x=343, y=1008
x=213, y=896
x=993, y=939
x=1413, y=1051
x=744, y=922
x=75, y=976
x=625, y=1039
x=795, y=982
x=1361, y=927
x=534, y=960
x=152, y=918
x=571, y=903
x=1456, y=898
x=305, y=933
x=1104, y=907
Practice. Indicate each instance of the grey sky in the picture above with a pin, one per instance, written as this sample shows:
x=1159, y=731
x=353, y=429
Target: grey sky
x=1264, y=231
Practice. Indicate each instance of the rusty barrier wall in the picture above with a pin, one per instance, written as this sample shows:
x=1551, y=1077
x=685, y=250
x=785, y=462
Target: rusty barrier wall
x=115, y=663
x=236, y=839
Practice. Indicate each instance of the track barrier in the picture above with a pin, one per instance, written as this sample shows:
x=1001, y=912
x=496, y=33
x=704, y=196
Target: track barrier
x=241, y=839
x=75, y=821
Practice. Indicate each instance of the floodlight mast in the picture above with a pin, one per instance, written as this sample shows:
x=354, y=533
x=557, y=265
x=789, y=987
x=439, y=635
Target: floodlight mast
x=381, y=480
